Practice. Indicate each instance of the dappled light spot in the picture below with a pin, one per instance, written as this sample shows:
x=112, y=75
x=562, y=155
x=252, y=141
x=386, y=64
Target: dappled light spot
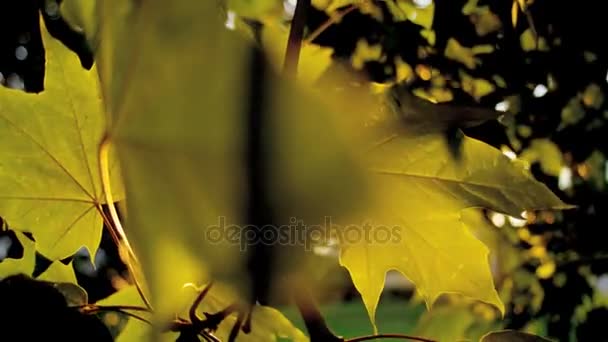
x=602, y=284
x=5, y=246
x=230, y=20
x=540, y=90
x=564, y=180
x=517, y=222
x=15, y=81
x=498, y=219
x=508, y=153
x=502, y=106
x=21, y=53
x=422, y=3
x=51, y=8
x=289, y=6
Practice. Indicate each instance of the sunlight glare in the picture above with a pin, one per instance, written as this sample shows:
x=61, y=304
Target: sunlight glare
x=540, y=90
x=230, y=20
x=423, y=3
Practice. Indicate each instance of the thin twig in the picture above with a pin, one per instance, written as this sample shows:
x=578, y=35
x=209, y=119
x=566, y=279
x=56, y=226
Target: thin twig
x=95, y=308
x=294, y=43
x=197, y=302
x=137, y=317
x=90, y=309
x=336, y=17
x=212, y=321
x=236, y=327
x=313, y=319
x=389, y=336
x=116, y=230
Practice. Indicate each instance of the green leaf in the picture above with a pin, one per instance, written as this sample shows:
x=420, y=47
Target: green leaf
x=421, y=191
x=512, y=336
x=48, y=164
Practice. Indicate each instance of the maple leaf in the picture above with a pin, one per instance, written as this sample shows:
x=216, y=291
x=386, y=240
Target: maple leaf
x=49, y=170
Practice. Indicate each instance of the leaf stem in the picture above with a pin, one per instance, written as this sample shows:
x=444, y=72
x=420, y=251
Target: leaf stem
x=390, y=336
x=334, y=18
x=116, y=230
x=95, y=308
x=294, y=43
x=89, y=309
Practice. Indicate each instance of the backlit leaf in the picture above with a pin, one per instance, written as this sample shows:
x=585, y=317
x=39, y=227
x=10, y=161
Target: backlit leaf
x=49, y=170
x=421, y=193
x=461, y=54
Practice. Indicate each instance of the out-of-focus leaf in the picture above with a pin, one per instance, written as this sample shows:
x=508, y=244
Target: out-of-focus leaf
x=182, y=144
x=528, y=42
x=314, y=59
x=446, y=323
x=254, y=8
x=420, y=114
x=461, y=54
x=546, y=269
x=593, y=96
x=546, y=153
x=480, y=49
x=406, y=10
x=476, y=87
x=403, y=71
x=512, y=336
x=514, y=13
x=593, y=169
x=485, y=21
x=572, y=113
x=48, y=165
x=330, y=6
x=364, y=52
x=81, y=15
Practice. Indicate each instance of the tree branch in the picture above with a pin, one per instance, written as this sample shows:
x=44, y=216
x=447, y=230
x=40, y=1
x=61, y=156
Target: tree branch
x=294, y=43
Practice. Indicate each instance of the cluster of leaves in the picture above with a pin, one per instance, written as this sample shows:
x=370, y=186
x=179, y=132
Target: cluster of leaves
x=540, y=62
x=165, y=101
